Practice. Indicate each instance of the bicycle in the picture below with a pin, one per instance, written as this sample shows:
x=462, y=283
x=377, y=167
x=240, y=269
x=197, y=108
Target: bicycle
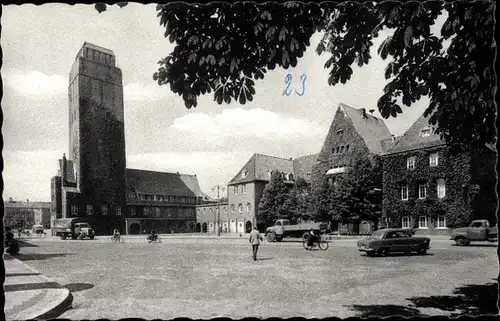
x=321, y=243
x=155, y=238
x=118, y=238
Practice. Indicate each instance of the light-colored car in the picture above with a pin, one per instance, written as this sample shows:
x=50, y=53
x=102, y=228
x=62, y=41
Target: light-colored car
x=387, y=241
x=477, y=231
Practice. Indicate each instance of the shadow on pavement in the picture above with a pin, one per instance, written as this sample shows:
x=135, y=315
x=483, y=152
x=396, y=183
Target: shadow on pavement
x=264, y=259
x=77, y=287
x=20, y=274
x=388, y=310
x=23, y=243
x=469, y=300
x=39, y=256
x=31, y=286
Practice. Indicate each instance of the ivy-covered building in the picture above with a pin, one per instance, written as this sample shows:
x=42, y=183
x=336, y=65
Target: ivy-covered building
x=354, y=134
x=428, y=187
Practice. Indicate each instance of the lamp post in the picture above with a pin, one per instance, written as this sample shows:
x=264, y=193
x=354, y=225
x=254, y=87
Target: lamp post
x=218, y=187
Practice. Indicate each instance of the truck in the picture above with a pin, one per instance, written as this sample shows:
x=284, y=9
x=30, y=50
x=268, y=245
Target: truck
x=282, y=228
x=477, y=231
x=75, y=228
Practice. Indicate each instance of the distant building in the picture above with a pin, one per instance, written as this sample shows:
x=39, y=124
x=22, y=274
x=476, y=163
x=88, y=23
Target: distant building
x=246, y=188
x=207, y=216
x=25, y=214
x=430, y=189
x=353, y=134
x=94, y=182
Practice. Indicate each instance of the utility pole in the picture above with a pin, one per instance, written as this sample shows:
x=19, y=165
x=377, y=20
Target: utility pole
x=218, y=187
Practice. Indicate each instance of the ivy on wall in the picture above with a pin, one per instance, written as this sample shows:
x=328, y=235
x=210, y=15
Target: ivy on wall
x=454, y=169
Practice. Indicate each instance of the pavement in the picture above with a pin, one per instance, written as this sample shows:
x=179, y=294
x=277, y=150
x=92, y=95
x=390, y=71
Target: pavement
x=31, y=295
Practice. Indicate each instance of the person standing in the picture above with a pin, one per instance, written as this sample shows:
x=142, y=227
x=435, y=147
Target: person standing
x=255, y=239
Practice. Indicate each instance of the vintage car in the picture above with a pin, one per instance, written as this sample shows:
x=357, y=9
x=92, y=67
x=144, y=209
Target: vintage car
x=393, y=240
x=38, y=229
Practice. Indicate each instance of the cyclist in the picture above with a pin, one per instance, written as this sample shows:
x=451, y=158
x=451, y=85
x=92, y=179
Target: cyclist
x=153, y=235
x=313, y=237
x=116, y=234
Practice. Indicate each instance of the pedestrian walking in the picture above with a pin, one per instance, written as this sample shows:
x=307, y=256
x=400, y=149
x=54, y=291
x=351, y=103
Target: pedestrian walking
x=255, y=239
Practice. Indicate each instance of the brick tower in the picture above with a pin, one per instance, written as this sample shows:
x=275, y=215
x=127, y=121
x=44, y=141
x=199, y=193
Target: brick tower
x=96, y=132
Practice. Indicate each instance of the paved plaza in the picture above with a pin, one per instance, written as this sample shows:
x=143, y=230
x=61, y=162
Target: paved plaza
x=205, y=278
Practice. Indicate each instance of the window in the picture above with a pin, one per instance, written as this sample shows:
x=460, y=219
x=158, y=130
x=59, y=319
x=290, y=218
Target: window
x=249, y=207
x=422, y=222
x=308, y=174
x=433, y=159
x=342, y=148
x=158, y=211
x=118, y=211
x=290, y=177
x=74, y=210
x=405, y=223
x=404, y=192
x=346, y=148
x=132, y=211
x=441, y=188
x=426, y=132
x=422, y=191
x=337, y=149
x=235, y=189
x=269, y=173
x=90, y=210
x=340, y=132
x=240, y=208
x=244, y=174
x=410, y=162
x=244, y=188
x=441, y=221
x=232, y=208
x=104, y=210
x=145, y=211
x=225, y=209
x=476, y=225
x=131, y=195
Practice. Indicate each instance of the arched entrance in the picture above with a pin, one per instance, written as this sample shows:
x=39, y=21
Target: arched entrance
x=248, y=227
x=135, y=228
x=198, y=227
x=204, y=228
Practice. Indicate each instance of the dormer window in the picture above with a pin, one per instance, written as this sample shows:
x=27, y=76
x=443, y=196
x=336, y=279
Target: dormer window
x=337, y=149
x=342, y=148
x=426, y=132
x=340, y=132
x=244, y=173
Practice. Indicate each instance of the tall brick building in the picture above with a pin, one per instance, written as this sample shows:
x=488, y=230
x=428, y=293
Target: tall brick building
x=94, y=182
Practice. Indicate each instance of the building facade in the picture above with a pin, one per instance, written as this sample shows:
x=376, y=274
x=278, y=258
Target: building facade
x=94, y=182
x=207, y=217
x=354, y=134
x=247, y=186
x=24, y=214
x=431, y=189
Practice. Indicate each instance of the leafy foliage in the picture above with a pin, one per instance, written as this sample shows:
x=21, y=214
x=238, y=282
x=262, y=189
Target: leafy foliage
x=454, y=169
x=272, y=202
x=297, y=203
x=101, y=7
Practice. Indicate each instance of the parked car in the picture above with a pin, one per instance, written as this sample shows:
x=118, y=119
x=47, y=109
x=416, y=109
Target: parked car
x=38, y=229
x=478, y=230
x=282, y=228
x=393, y=240
x=74, y=228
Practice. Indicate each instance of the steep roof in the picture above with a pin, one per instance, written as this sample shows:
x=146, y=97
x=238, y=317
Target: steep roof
x=162, y=183
x=303, y=165
x=372, y=129
x=413, y=140
x=258, y=166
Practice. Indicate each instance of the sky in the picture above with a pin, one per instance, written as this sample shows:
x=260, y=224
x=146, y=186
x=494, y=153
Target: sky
x=40, y=43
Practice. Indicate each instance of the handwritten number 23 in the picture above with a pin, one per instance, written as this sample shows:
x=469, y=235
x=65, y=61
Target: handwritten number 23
x=288, y=85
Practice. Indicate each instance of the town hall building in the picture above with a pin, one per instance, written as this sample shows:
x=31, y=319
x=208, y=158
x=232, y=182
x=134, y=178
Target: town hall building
x=93, y=181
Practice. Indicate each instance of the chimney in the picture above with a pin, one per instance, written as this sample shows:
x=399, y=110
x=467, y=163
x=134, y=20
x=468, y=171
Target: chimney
x=64, y=169
x=364, y=112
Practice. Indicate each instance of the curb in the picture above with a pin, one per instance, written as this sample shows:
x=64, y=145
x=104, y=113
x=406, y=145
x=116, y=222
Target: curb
x=64, y=300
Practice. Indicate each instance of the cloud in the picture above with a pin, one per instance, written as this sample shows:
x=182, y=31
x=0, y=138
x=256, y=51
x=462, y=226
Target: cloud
x=140, y=92
x=35, y=84
x=240, y=122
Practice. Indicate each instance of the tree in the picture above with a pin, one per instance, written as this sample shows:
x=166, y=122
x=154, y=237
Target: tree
x=224, y=48
x=321, y=202
x=274, y=196
x=297, y=204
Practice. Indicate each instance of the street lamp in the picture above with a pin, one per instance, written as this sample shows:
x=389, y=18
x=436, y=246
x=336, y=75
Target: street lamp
x=218, y=188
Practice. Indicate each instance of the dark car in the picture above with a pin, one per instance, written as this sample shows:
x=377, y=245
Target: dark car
x=392, y=241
